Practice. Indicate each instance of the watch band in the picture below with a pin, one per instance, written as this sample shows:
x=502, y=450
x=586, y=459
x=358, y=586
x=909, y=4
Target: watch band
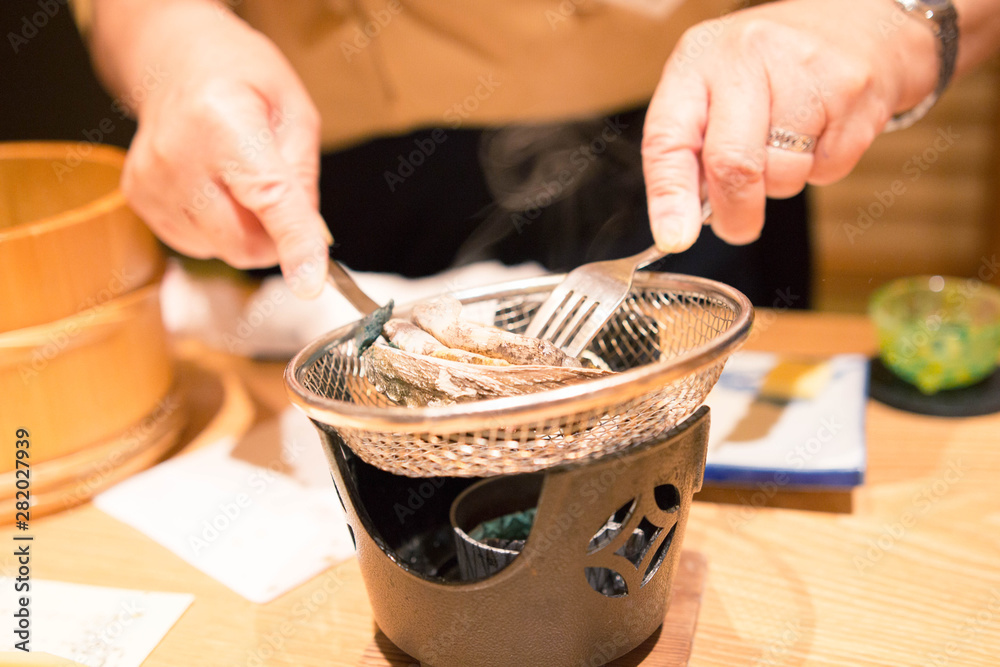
x=943, y=19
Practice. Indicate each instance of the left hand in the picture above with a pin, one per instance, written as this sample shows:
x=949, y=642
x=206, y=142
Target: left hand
x=836, y=71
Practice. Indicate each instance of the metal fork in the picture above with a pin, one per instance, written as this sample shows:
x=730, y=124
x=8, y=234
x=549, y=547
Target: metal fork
x=586, y=299
x=343, y=283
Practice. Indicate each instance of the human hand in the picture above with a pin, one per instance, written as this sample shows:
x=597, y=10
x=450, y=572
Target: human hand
x=836, y=71
x=226, y=158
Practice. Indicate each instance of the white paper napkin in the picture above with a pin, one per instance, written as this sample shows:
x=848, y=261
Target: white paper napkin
x=94, y=625
x=259, y=515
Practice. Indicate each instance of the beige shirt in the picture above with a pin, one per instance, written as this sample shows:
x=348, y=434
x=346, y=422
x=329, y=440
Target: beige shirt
x=378, y=67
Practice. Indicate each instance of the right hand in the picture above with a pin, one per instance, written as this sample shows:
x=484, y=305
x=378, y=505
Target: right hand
x=833, y=70
x=225, y=162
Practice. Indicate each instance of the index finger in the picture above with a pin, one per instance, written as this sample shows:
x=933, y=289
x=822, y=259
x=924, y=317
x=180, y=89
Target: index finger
x=271, y=188
x=671, y=145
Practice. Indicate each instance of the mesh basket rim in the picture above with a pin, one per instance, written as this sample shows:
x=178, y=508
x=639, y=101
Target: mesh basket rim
x=578, y=397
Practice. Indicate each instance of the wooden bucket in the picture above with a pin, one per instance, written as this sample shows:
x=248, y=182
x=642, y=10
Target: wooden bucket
x=68, y=240
x=85, y=367
x=75, y=382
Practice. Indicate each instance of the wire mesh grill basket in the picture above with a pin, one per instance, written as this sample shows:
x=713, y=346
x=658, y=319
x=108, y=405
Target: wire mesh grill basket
x=667, y=343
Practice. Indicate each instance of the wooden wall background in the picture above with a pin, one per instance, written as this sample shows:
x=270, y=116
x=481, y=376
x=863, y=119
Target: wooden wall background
x=947, y=219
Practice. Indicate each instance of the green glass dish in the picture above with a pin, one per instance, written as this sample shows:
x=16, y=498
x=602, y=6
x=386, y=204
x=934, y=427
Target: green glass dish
x=937, y=332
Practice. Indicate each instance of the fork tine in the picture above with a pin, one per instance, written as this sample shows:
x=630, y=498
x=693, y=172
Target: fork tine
x=562, y=315
x=583, y=310
x=540, y=320
x=594, y=323
x=585, y=300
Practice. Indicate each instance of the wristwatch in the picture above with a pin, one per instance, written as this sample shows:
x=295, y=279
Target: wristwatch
x=943, y=20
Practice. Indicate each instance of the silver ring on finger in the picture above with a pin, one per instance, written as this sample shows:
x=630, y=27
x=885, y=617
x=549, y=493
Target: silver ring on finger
x=787, y=140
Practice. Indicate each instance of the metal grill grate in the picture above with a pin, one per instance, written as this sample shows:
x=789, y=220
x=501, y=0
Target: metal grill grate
x=669, y=341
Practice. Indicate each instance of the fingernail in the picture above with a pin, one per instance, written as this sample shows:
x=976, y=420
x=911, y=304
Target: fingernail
x=666, y=239
x=328, y=237
x=669, y=229
x=306, y=280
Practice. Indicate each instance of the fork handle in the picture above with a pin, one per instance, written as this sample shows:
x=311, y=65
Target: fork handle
x=652, y=253
x=647, y=257
x=344, y=284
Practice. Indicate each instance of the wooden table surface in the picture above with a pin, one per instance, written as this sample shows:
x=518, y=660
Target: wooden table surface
x=904, y=571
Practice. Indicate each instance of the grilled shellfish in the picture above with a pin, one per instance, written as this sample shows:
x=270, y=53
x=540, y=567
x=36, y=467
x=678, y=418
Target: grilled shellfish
x=440, y=359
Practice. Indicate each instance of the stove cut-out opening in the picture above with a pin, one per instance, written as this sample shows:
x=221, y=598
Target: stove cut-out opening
x=638, y=543
x=407, y=517
x=659, y=556
x=667, y=497
x=492, y=520
x=607, y=582
x=612, y=527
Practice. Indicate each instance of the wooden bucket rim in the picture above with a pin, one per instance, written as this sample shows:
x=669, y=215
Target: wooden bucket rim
x=101, y=154
x=112, y=311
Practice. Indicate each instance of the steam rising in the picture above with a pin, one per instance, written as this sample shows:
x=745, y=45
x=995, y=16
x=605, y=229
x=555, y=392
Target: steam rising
x=573, y=191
